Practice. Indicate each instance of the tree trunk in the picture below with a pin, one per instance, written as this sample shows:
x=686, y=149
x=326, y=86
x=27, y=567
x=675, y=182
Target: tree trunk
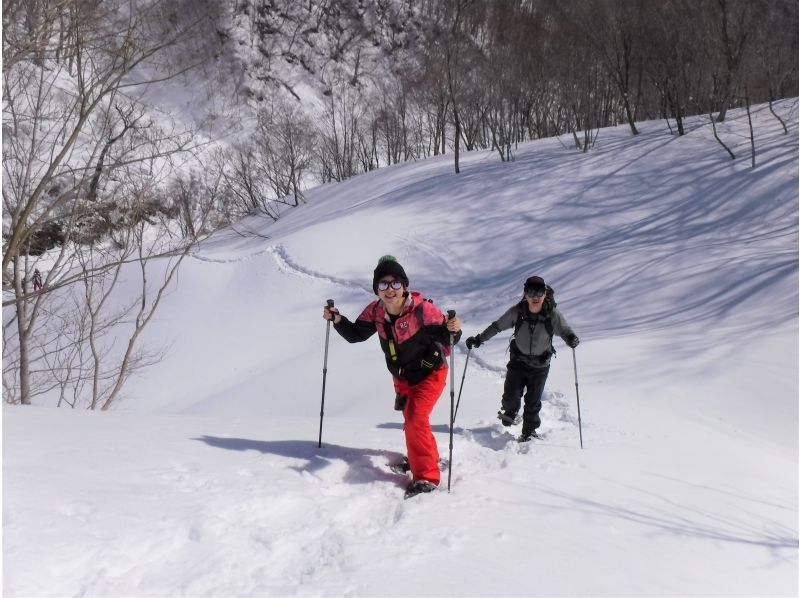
x=780, y=120
x=750, y=123
x=629, y=114
x=23, y=332
x=457, y=137
x=716, y=136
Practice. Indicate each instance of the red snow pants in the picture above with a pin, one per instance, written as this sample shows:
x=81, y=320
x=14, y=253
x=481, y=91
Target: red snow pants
x=423, y=454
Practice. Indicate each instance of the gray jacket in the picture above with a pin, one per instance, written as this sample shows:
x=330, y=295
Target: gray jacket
x=532, y=344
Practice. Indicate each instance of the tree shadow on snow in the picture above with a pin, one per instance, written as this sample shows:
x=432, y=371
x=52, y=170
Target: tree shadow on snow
x=676, y=516
x=364, y=466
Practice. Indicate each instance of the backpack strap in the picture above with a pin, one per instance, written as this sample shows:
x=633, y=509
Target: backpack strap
x=548, y=325
x=519, y=320
x=441, y=351
x=548, y=322
x=420, y=316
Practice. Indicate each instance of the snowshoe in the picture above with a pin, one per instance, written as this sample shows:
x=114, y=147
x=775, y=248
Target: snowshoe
x=400, y=466
x=526, y=436
x=419, y=487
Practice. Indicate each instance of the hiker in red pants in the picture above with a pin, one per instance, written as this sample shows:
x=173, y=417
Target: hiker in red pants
x=415, y=338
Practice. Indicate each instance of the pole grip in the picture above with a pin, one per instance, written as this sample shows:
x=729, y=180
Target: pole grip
x=330, y=302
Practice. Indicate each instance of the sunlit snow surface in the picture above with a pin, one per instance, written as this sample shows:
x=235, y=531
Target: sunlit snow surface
x=677, y=267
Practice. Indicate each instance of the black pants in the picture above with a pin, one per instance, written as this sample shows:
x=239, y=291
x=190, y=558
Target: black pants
x=520, y=377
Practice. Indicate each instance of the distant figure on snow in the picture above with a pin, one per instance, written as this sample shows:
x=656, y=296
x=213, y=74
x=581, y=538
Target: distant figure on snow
x=535, y=320
x=37, y=281
x=415, y=338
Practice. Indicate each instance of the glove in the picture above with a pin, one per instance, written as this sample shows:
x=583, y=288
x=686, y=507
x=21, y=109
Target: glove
x=474, y=342
x=572, y=341
x=332, y=312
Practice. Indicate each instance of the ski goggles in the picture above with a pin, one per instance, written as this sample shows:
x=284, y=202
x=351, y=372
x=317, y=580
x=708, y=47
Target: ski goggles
x=537, y=292
x=384, y=285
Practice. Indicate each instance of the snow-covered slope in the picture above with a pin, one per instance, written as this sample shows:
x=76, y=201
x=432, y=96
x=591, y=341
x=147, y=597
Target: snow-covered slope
x=676, y=266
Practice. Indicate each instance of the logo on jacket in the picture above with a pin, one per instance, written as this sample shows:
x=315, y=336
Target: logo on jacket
x=402, y=325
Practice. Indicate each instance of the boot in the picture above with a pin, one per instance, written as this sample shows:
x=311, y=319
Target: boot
x=507, y=418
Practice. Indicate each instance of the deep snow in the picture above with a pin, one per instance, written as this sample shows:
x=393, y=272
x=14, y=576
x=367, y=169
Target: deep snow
x=677, y=267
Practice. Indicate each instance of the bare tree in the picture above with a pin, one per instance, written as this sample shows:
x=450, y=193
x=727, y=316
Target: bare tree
x=675, y=66
x=146, y=306
x=247, y=182
x=70, y=120
x=730, y=26
x=391, y=122
x=287, y=139
x=774, y=64
x=716, y=136
x=338, y=135
x=451, y=52
x=268, y=170
x=612, y=30
x=431, y=105
x=45, y=124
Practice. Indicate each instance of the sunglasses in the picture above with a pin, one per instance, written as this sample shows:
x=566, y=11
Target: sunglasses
x=385, y=284
x=535, y=292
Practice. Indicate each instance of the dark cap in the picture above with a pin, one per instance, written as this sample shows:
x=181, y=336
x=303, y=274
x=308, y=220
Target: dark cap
x=534, y=282
x=388, y=265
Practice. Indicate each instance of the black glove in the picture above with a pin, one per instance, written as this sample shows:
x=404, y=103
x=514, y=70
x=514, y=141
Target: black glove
x=474, y=342
x=572, y=341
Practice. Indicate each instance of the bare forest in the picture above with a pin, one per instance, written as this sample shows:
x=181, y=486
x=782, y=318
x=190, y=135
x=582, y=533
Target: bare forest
x=100, y=174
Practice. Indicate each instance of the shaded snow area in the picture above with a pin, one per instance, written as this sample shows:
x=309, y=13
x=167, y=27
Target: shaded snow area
x=676, y=266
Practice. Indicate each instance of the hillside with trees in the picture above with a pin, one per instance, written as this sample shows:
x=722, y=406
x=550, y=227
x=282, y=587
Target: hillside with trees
x=132, y=130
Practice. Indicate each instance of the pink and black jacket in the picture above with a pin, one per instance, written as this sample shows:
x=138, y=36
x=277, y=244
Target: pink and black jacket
x=415, y=343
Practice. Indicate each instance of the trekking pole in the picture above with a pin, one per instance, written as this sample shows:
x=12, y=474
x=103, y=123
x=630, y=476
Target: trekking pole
x=451, y=313
x=577, y=395
x=324, y=374
x=464, y=375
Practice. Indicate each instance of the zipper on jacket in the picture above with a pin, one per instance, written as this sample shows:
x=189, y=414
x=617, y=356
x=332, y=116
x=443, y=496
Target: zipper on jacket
x=531, y=331
x=388, y=329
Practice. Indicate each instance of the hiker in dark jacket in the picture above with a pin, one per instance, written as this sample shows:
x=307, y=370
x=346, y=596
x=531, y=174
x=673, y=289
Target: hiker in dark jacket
x=535, y=320
x=415, y=338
